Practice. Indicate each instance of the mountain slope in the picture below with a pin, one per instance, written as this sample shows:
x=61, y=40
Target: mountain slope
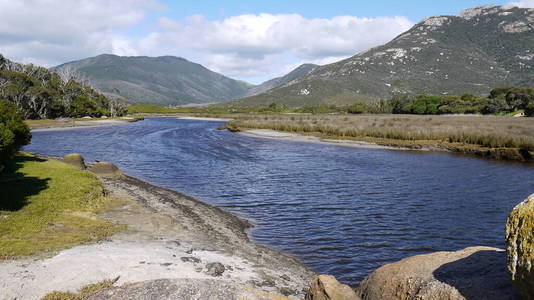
x=482, y=48
x=164, y=80
x=300, y=71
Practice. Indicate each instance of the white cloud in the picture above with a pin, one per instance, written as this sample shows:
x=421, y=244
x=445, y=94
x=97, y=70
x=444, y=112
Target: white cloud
x=50, y=32
x=524, y=3
x=54, y=31
x=248, y=45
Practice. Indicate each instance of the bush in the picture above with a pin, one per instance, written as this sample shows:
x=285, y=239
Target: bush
x=14, y=133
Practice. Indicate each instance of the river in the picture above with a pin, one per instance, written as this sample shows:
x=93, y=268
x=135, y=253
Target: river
x=342, y=211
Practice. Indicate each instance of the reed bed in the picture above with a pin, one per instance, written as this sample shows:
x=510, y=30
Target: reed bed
x=483, y=131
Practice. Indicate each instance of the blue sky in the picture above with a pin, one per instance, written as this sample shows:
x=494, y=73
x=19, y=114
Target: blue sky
x=414, y=10
x=248, y=40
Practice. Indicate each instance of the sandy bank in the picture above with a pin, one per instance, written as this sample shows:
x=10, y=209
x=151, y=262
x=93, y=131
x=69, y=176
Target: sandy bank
x=272, y=134
x=49, y=125
x=204, y=119
x=169, y=236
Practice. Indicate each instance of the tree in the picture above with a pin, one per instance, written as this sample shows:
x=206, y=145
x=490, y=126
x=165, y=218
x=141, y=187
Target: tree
x=14, y=133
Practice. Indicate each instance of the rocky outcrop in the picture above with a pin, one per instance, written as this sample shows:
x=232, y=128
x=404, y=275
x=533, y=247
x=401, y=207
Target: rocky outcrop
x=326, y=287
x=520, y=247
x=105, y=169
x=75, y=159
x=184, y=289
x=471, y=273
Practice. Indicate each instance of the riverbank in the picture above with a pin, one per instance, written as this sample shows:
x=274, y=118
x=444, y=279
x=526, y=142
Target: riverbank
x=499, y=138
x=293, y=137
x=80, y=122
x=168, y=235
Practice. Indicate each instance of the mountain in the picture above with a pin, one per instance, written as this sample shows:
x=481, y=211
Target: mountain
x=300, y=71
x=164, y=80
x=482, y=48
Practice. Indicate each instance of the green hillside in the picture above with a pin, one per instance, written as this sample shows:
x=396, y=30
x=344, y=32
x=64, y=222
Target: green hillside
x=165, y=80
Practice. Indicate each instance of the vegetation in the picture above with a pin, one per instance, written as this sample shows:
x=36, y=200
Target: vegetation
x=39, y=93
x=499, y=137
x=83, y=292
x=503, y=100
x=459, y=56
x=14, y=133
x=47, y=205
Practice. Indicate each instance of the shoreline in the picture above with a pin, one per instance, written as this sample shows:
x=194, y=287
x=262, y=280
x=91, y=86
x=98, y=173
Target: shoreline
x=49, y=125
x=294, y=137
x=169, y=235
x=511, y=155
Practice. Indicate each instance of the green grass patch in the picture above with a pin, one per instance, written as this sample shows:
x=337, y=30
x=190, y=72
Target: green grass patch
x=47, y=205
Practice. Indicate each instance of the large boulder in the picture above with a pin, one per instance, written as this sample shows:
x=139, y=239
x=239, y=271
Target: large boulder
x=520, y=246
x=472, y=273
x=75, y=159
x=326, y=287
x=106, y=169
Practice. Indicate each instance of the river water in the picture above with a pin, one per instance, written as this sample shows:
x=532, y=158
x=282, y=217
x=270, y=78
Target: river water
x=342, y=211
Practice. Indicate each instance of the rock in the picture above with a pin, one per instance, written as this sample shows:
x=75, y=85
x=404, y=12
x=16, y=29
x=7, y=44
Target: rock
x=326, y=287
x=471, y=273
x=520, y=247
x=75, y=159
x=103, y=117
x=191, y=259
x=106, y=169
x=167, y=289
x=87, y=118
x=215, y=269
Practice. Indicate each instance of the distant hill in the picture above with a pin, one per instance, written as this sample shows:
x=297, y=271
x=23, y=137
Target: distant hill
x=165, y=80
x=482, y=48
x=300, y=71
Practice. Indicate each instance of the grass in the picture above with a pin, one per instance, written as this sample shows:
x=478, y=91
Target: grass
x=82, y=293
x=482, y=135
x=47, y=205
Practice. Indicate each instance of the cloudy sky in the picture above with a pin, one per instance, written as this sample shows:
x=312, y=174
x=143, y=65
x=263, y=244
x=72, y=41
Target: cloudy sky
x=241, y=39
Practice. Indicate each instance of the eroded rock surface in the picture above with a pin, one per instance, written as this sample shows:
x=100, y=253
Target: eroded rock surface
x=326, y=287
x=473, y=273
x=166, y=289
x=76, y=160
x=520, y=247
x=106, y=169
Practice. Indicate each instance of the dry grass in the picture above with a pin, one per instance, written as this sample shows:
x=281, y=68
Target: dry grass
x=83, y=292
x=455, y=132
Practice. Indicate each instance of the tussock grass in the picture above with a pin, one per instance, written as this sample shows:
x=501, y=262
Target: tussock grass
x=82, y=293
x=481, y=131
x=47, y=205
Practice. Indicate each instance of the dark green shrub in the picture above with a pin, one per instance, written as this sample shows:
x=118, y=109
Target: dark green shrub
x=14, y=133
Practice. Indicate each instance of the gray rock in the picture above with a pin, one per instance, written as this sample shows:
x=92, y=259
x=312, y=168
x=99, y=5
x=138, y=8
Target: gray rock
x=190, y=259
x=472, y=273
x=167, y=289
x=215, y=269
